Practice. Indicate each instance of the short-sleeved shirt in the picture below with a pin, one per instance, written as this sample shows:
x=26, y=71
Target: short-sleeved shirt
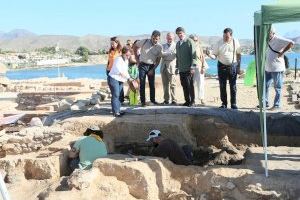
x=149, y=51
x=273, y=63
x=170, y=149
x=119, y=67
x=224, y=51
x=89, y=149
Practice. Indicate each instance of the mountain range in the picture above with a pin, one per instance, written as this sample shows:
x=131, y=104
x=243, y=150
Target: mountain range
x=24, y=40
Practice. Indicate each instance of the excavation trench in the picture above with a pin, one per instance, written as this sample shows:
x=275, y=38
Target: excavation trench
x=126, y=136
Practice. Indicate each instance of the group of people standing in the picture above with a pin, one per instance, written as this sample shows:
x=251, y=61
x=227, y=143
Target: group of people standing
x=134, y=62
x=185, y=58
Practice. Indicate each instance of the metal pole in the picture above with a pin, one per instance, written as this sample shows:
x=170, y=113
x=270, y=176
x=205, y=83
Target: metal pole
x=296, y=61
x=265, y=143
x=3, y=189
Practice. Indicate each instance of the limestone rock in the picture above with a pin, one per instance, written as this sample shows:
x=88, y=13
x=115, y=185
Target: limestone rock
x=64, y=105
x=227, y=146
x=103, y=95
x=230, y=186
x=35, y=121
x=224, y=158
x=80, y=179
x=2, y=132
x=78, y=106
x=9, y=148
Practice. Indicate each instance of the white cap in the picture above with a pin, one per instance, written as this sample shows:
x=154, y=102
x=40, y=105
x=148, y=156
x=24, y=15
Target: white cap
x=153, y=134
x=94, y=128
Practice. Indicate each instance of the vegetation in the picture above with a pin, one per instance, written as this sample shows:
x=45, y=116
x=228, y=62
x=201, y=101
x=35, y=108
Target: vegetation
x=48, y=50
x=102, y=51
x=84, y=53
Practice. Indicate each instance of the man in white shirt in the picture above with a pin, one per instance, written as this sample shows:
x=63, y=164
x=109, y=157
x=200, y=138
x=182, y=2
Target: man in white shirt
x=275, y=65
x=149, y=59
x=228, y=53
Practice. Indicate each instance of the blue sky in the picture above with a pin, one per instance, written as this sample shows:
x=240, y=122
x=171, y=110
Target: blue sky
x=132, y=17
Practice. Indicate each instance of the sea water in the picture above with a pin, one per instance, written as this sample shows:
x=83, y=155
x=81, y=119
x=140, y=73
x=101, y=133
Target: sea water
x=99, y=72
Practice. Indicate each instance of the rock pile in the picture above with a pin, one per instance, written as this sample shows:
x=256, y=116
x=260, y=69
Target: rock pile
x=295, y=92
x=91, y=103
x=28, y=140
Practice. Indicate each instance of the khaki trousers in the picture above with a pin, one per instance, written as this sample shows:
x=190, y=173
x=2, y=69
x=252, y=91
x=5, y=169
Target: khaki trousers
x=169, y=85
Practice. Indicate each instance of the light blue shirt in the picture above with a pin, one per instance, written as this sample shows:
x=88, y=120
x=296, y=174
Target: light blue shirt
x=89, y=149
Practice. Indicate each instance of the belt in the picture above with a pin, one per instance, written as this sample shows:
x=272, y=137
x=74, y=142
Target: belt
x=142, y=63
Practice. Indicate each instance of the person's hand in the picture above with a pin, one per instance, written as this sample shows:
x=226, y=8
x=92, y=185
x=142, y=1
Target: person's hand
x=280, y=54
x=202, y=70
x=123, y=75
x=192, y=71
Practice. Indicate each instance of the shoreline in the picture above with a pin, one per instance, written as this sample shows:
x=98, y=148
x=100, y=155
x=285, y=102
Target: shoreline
x=61, y=66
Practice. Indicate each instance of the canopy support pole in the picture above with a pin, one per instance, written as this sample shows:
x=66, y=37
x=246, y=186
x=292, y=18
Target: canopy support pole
x=3, y=189
x=265, y=142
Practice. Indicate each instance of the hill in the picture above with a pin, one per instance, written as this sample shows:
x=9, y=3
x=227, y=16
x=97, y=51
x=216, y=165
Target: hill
x=23, y=40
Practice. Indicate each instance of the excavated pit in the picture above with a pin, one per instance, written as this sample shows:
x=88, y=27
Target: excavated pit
x=214, y=179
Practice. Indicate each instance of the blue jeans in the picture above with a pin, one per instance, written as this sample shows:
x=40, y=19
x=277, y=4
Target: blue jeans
x=121, y=91
x=277, y=77
x=115, y=88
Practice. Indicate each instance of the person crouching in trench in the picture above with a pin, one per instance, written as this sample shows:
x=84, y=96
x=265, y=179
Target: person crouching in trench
x=87, y=149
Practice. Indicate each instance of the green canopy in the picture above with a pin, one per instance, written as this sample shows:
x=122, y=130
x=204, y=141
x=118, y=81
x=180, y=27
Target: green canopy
x=283, y=11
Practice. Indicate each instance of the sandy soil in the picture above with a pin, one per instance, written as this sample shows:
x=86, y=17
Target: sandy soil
x=246, y=96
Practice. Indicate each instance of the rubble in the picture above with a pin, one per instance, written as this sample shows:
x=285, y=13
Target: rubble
x=35, y=159
x=35, y=121
x=29, y=139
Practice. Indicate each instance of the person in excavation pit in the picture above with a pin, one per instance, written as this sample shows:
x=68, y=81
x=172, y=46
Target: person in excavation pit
x=87, y=149
x=168, y=148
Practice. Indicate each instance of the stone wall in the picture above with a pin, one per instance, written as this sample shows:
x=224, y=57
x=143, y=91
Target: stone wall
x=29, y=140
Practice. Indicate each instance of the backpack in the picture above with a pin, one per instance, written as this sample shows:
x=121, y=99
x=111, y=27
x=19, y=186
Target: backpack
x=286, y=59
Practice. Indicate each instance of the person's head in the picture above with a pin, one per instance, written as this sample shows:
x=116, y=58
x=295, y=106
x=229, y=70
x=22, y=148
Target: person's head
x=132, y=60
x=129, y=43
x=126, y=53
x=115, y=44
x=180, y=32
x=155, y=37
x=227, y=34
x=170, y=37
x=194, y=38
x=93, y=130
x=272, y=32
x=154, y=137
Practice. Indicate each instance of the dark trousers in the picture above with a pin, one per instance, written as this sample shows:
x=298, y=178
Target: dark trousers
x=121, y=91
x=227, y=72
x=187, y=83
x=143, y=72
